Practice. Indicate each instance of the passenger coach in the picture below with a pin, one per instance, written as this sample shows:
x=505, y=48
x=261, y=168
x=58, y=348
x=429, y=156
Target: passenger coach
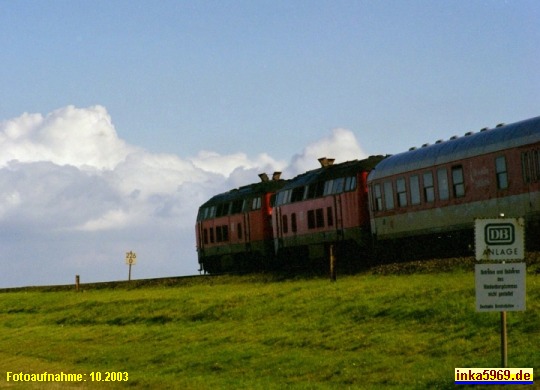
x=424, y=201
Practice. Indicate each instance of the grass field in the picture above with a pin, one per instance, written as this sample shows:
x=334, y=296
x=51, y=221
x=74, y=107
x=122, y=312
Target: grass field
x=391, y=329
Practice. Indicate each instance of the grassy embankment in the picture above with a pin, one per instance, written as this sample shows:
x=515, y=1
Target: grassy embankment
x=364, y=331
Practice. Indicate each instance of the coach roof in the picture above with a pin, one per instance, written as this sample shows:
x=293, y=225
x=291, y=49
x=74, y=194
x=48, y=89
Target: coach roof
x=472, y=144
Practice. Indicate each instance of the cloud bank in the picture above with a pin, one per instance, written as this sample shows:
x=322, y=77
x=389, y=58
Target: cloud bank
x=74, y=197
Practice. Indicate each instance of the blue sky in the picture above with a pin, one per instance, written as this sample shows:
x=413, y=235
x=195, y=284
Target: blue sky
x=208, y=92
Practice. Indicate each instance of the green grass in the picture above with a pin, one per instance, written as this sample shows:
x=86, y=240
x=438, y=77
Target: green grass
x=258, y=332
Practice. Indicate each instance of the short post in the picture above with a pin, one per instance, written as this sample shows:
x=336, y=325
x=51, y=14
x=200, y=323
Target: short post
x=333, y=275
x=77, y=282
x=504, y=343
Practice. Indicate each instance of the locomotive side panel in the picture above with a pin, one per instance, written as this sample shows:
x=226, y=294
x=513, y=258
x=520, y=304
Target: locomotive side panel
x=324, y=207
x=233, y=229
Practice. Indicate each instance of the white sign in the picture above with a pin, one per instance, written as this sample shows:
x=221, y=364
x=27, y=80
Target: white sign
x=500, y=287
x=499, y=239
x=131, y=258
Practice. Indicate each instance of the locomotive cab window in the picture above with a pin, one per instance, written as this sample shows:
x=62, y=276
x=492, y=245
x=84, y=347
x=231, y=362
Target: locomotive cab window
x=223, y=209
x=502, y=174
x=297, y=194
x=237, y=206
x=328, y=187
x=315, y=190
x=256, y=203
x=338, y=185
x=350, y=183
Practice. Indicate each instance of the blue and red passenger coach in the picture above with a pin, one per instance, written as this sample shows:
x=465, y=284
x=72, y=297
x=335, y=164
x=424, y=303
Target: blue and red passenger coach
x=424, y=201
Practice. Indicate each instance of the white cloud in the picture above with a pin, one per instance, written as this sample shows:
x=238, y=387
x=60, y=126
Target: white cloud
x=74, y=197
x=340, y=145
x=67, y=136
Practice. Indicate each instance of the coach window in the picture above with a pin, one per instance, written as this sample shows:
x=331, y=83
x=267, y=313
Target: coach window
x=284, y=224
x=457, y=182
x=442, y=181
x=388, y=195
x=530, y=164
x=293, y=222
x=377, y=195
x=429, y=190
x=414, y=183
x=401, y=192
x=502, y=174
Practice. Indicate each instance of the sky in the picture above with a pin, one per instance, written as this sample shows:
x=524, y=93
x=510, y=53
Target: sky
x=119, y=118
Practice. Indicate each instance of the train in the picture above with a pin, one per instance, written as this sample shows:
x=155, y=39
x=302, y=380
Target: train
x=411, y=205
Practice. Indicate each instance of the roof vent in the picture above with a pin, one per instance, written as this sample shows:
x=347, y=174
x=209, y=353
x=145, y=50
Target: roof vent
x=439, y=141
x=264, y=177
x=425, y=145
x=484, y=129
x=500, y=125
x=412, y=148
x=326, y=162
x=276, y=176
x=454, y=137
x=469, y=133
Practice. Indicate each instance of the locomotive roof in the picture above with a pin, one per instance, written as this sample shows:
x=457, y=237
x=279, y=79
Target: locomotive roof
x=248, y=191
x=472, y=144
x=348, y=168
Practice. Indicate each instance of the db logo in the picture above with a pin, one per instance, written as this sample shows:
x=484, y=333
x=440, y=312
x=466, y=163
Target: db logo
x=499, y=234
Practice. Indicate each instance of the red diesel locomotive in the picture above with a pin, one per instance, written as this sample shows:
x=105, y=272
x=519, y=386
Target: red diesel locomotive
x=323, y=207
x=233, y=230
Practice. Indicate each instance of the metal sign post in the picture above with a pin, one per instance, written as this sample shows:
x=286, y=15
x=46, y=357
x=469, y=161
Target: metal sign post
x=500, y=287
x=131, y=258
